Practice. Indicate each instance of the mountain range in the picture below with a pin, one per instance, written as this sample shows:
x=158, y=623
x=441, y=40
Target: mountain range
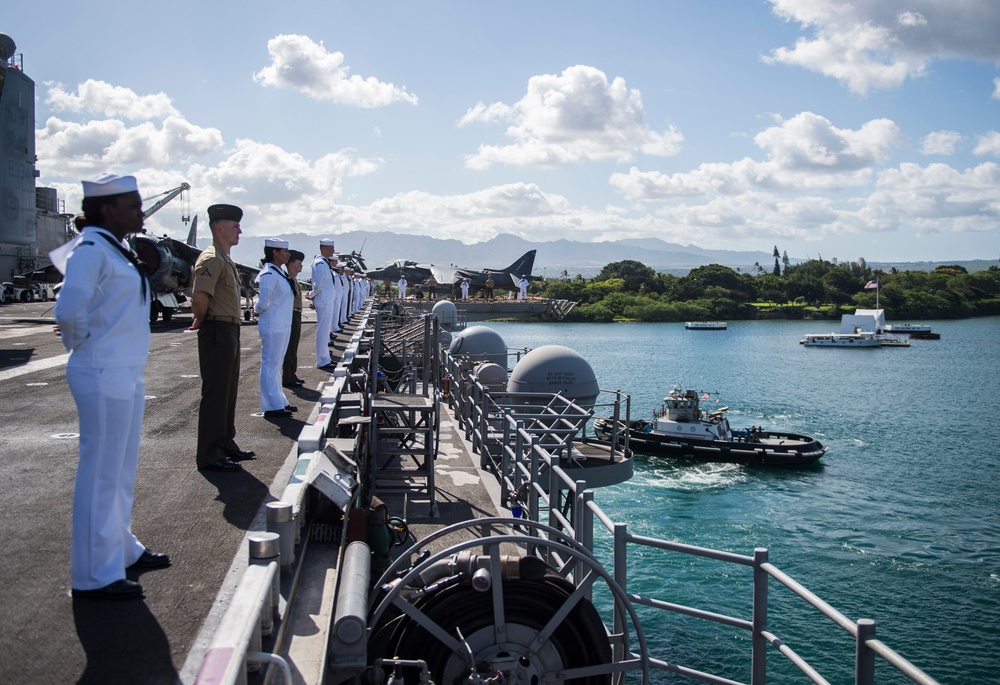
x=379, y=248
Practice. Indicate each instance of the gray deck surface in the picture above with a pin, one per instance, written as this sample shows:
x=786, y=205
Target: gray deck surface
x=199, y=518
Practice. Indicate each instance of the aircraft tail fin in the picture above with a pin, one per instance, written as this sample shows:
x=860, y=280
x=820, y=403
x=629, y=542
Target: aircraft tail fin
x=192, y=238
x=523, y=265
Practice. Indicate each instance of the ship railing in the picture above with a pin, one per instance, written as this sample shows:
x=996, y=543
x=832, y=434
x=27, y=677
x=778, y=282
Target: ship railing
x=536, y=485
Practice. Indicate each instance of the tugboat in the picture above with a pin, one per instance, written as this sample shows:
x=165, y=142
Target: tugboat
x=682, y=429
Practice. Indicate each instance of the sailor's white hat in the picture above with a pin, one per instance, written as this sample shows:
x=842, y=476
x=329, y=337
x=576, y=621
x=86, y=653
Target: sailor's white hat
x=276, y=242
x=327, y=242
x=109, y=184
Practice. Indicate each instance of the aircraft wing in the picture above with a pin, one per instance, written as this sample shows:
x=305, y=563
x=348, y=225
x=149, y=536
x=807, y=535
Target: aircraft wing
x=446, y=275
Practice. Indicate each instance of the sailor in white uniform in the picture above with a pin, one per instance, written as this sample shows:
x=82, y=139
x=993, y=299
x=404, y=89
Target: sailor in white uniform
x=103, y=318
x=522, y=285
x=274, y=323
x=322, y=297
x=401, y=285
x=345, y=304
x=465, y=289
x=339, y=294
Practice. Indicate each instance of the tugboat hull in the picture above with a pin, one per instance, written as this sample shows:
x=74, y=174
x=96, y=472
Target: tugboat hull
x=765, y=448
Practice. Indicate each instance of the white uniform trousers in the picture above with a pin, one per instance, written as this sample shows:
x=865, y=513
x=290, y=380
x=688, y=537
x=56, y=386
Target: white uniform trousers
x=110, y=403
x=345, y=305
x=273, y=344
x=324, y=324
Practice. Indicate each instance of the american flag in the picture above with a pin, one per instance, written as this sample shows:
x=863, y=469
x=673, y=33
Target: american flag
x=872, y=284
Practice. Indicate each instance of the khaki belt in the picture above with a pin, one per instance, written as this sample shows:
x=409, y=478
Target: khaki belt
x=228, y=319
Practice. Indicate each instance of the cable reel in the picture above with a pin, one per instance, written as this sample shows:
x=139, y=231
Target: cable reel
x=478, y=616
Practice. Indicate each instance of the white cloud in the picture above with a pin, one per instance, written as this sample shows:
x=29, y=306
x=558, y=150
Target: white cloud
x=940, y=143
x=571, y=118
x=996, y=89
x=269, y=177
x=988, y=144
x=804, y=153
x=299, y=63
x=938, y=198
x=72, y=149
x=878, y=44
x=109, y=101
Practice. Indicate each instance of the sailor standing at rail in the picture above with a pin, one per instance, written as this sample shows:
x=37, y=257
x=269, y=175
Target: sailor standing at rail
x=216, y=315
x=345, y=299
x=274, y=323
x=322, y=298
x=103, y=317
x=401, y=285
x=338, y=289
x=290, y=364
x=522, y=285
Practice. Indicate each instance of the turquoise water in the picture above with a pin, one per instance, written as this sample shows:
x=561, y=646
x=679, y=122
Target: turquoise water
x=899, y=523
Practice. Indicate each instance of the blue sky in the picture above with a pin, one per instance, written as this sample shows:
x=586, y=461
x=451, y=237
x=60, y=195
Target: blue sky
x=869, y=129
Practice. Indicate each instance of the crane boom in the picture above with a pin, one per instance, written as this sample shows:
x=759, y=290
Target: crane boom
x=168, y=196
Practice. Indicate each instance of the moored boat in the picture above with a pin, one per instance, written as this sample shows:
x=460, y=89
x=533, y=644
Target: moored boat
x=706, y=325
x=907, y=328
x=893, y=341
x=849, y=340
x=680, y=428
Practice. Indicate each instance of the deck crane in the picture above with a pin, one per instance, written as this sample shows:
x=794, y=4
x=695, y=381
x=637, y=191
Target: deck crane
x=169, y=272
x=167, y=197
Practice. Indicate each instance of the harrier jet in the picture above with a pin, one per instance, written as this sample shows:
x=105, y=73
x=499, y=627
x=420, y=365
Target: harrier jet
x=503, y=279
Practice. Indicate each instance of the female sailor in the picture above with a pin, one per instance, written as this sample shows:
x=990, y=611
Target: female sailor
x=274, y=323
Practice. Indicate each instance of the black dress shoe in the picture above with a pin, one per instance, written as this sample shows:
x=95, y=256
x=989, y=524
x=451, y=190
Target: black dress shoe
x=241, y=455
x=277, y=412
x=224, y=464
x=120, y=589
x=291, y=407
x=298, y=382
x=328, y=367
x=150, y=560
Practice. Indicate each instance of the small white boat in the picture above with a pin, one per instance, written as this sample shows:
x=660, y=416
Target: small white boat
x=706, y=325
x=849, y=340
x=907, y=328
x=893, y=341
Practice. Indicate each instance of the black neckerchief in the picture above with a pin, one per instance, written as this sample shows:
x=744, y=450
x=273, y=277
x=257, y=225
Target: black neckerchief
x=276, y=269
x=288, y=279
x=129, y=255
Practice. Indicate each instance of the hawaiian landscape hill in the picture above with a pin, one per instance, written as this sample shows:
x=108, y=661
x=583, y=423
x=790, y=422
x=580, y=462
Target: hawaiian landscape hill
x=553, y=257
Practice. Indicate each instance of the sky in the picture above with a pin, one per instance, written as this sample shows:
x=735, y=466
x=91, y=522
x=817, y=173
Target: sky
x=868, y=129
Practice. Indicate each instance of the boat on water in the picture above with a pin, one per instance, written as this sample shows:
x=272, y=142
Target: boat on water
x=680, y=428
x=863, y=339
x=907, y=328
x=706, y=325
x=924, y=335
x=893, y=341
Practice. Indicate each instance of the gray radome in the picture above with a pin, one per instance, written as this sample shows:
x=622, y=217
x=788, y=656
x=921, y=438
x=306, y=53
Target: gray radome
x=480, y=343
x=493, y=376
x=447, y=313
x=553, y=369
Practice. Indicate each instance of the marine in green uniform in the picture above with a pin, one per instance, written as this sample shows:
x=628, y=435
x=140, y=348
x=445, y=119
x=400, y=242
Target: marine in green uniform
x=289, y=377
x=215, y=306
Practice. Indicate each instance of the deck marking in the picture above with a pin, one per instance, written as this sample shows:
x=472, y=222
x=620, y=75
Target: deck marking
x=37, y=365
x=17, y=332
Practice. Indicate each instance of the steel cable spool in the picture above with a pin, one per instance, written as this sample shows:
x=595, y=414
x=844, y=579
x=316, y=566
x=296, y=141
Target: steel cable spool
x=516, y=615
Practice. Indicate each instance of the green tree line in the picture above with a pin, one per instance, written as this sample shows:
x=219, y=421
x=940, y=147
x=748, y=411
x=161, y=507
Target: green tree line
x=631, y=291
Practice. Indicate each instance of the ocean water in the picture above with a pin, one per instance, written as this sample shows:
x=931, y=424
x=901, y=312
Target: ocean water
x=900, y=522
